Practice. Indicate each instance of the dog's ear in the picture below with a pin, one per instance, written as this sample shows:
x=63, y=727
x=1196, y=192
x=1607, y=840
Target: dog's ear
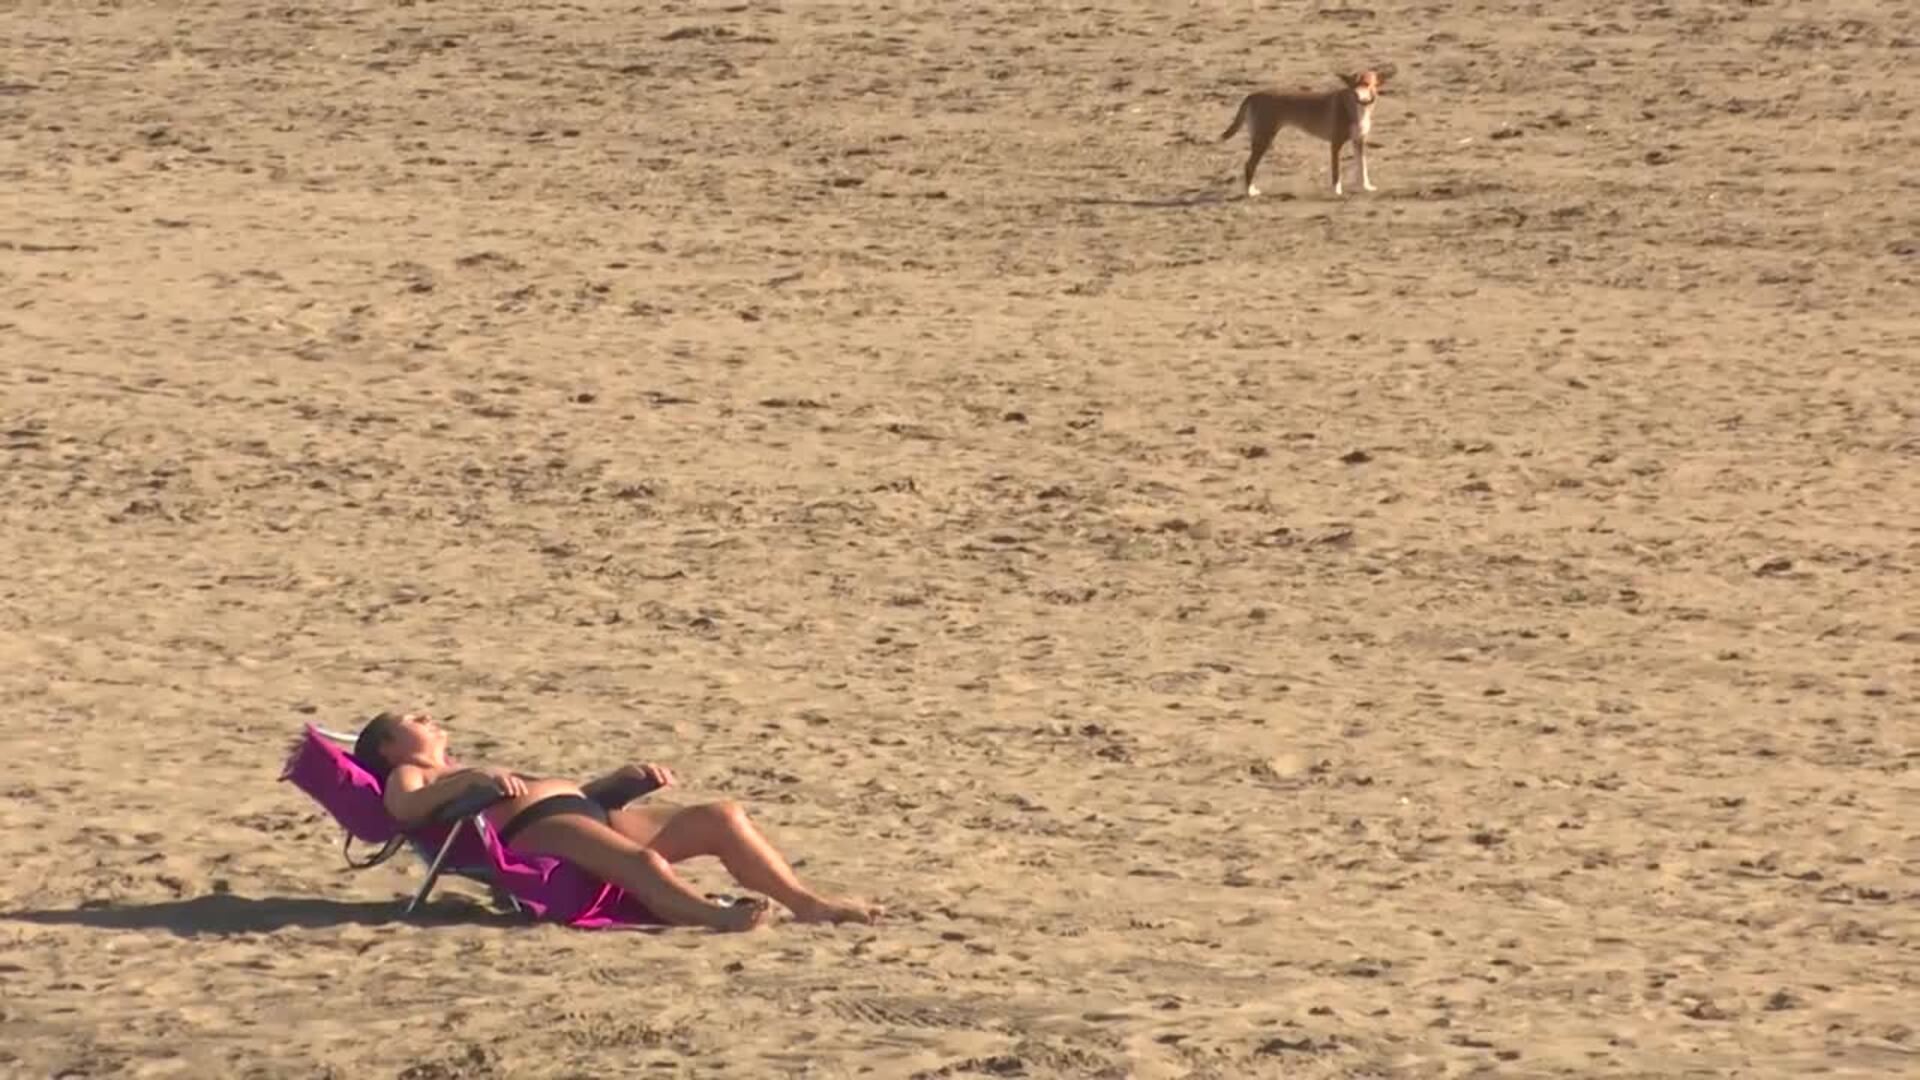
x=1385, y=71
x=1347, y=77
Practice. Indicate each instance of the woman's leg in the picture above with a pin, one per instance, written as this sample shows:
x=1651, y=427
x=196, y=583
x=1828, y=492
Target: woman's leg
x=608, y=855
x=723, y=830
x=641, y=824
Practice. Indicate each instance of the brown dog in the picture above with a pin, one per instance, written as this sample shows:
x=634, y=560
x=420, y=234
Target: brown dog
x=1338, y=116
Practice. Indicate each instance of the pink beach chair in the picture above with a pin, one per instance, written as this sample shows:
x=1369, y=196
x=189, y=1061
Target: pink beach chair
x=459, y=840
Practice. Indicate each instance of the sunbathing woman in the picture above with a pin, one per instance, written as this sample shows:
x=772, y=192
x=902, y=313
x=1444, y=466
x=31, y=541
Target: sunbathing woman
x=634, y=848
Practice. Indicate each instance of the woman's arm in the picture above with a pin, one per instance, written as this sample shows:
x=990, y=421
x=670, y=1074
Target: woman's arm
x=411, y=798
x=627, y=783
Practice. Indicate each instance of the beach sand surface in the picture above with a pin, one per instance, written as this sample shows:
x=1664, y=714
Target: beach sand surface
x=1467, y=630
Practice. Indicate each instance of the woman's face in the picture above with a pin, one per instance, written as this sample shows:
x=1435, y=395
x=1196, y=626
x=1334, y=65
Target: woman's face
x=417, y=736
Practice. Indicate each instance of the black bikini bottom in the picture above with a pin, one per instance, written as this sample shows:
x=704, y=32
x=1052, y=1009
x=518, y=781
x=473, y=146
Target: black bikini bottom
x=553, y=806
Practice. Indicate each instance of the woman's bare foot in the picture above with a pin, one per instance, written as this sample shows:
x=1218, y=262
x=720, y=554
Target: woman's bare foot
x=838, y=910
x=741, y=915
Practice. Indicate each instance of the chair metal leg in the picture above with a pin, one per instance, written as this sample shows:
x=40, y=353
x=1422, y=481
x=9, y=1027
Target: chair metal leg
x=433, y=871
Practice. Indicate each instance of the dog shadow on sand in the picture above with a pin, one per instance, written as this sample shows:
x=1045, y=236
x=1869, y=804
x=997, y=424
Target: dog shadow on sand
x=1209, y=196
x=1217, y=197
x=223, y=914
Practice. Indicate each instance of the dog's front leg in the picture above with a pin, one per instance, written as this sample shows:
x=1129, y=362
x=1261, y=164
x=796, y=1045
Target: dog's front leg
x=1336, y=168
x=1360, y=158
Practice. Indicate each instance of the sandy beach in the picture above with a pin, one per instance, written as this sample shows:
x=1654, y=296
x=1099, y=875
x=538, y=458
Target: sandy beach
x=1465, y=630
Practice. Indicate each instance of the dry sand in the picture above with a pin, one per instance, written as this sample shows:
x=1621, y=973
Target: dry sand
x=1467, y=630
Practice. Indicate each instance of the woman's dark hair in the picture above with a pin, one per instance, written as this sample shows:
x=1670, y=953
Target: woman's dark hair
x=368, y=749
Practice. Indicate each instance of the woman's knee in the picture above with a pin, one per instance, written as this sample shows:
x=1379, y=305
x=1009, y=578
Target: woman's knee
x=652, y=863
x=726, y=813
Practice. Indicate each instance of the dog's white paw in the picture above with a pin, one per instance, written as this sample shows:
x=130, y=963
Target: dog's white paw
x=1338, y=191
x=1252, y=192
x=1369, y=187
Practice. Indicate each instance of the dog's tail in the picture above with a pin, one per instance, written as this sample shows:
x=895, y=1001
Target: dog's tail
x=1238, y=117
